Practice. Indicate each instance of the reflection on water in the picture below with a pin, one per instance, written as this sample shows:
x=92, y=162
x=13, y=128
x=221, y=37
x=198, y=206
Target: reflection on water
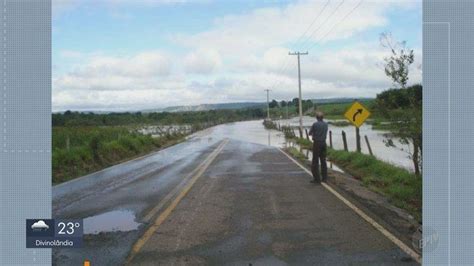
x=113, y=221
x=254, y=131
x=249, y=131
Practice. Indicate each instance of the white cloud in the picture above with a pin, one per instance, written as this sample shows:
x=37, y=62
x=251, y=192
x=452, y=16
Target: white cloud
x=144, y=64
x=203, y=61
x=234, y=60
x=256, y=30
x=115, y=72
x=103, y=83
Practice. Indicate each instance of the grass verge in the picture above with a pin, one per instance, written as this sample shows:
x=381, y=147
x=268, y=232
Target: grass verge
x=296, y=153
x=402, y=188
x=78, y=151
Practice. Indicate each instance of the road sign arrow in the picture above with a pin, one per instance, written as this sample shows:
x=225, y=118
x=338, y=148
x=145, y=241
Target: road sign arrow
x=357, y=114
x=359, y=111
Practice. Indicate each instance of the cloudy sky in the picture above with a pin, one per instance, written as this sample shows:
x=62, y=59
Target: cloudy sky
x=141, y=54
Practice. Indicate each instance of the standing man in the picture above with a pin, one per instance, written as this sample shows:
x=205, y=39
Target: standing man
x=319, y=131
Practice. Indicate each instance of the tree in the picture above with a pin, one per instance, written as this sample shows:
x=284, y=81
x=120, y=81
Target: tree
x=307, y=104
x=283, y=103
x=402, y=106
x=398, y=63
x=294, y=102
x=273, y=104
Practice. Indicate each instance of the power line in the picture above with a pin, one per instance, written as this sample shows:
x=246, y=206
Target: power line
x=334, y=26
x=314, y=31
x=321, y=25
x=337, y=24
x=311, y=46
x=285, y=65
x=313, y=34
x=316, y=18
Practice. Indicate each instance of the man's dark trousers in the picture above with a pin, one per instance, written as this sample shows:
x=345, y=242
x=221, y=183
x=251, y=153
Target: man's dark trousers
x=319, y=155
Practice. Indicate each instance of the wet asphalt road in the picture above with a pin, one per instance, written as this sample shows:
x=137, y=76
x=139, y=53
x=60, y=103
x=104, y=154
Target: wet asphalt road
x=114, y=202
x=251, y=205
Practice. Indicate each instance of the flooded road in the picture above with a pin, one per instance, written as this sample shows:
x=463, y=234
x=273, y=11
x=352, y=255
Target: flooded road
x=118, y=203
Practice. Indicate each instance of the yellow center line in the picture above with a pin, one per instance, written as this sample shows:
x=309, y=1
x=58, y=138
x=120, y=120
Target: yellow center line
x=164, y=215
x=364, y=216
x=170, y=195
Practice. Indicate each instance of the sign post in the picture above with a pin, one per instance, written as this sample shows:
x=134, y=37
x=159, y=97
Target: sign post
x=358, y=140
x=357, y=114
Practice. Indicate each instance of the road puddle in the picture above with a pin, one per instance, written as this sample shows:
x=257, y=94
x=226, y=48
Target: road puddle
x=113, y=221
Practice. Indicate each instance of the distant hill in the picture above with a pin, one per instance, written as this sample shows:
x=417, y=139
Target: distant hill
x=221, y=106
x=206, y=107
x=339, y=100
x=241, y=105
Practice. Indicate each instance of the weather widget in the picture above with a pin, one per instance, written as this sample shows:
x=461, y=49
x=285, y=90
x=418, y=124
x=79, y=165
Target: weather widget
x=54, y=233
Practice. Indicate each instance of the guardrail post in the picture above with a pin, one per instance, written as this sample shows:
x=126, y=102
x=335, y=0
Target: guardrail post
x=368, y=145
x=330, y=139
x=344, y=140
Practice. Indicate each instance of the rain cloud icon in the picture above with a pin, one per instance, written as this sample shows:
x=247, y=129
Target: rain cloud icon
x=40, y=225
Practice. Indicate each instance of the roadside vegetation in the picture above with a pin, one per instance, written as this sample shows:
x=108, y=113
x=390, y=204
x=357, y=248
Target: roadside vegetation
x=78, y=151
x=296, y=154
x=402, y=106
x=400, y=186
x=87, y=142
x=284, y=109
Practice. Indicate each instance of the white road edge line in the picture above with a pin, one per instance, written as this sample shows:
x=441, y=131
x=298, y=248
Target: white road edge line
x=367, y=218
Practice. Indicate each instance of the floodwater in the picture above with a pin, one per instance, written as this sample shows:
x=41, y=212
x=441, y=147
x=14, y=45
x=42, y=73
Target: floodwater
x=253, y=131
x=250, y=131
x=160, y=130
x=115, y=201
x=69, y=198
x=398, y=155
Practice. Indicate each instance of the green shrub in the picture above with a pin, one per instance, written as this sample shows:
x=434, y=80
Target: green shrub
x=401, y=187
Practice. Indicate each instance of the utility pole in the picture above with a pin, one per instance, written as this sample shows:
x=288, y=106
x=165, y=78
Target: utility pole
x=268, y=105
x=299, y=87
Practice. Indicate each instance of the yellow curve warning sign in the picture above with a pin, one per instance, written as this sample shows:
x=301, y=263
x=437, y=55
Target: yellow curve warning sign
x=357, y=114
